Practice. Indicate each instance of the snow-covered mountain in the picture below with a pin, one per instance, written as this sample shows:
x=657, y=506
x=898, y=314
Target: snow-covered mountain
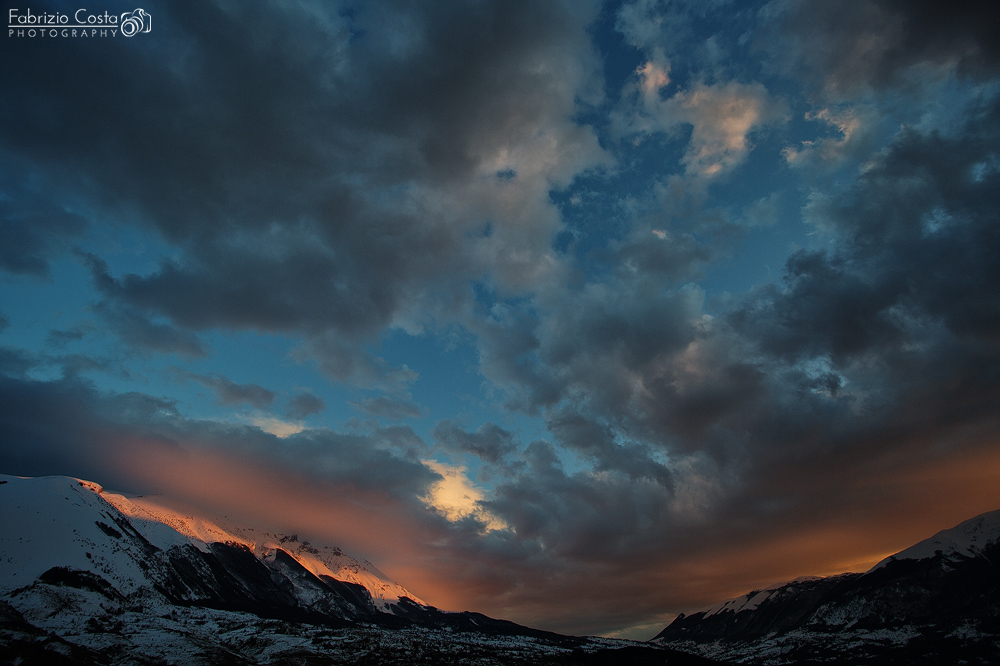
x=59, y=523
x=966, y=540
x=96, y=578
x=935, y=602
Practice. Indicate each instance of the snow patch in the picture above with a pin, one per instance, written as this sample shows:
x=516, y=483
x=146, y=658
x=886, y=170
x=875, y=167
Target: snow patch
x=752, y=600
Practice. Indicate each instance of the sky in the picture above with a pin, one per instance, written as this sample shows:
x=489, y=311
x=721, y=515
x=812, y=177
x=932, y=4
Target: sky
x=578, y=314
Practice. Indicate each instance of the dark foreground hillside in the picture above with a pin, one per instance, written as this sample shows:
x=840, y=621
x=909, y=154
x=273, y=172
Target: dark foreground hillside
x=224, y=638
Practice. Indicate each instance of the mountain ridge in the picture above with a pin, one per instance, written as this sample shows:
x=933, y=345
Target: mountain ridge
x=200, y=531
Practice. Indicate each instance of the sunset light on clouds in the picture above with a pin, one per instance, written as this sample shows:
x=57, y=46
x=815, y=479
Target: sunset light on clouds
x=574, y=313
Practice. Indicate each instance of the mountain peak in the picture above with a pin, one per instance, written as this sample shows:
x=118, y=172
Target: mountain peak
x=965, y=539
x=74, y=517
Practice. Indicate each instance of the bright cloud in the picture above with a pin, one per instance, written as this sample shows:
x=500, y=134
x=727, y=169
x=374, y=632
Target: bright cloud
x=276, y=426
x=723, y=117
x=456, y=498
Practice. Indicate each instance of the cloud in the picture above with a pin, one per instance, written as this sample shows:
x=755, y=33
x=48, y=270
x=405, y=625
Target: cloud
x=596, y=440
x=62, y=427
x=61, y=338
x=390, y=409
x=228, y=392
x=674, y=28
x=276, y=427
x=274, y=225
x=850, y=136
x=455, y=498
x=66, y=426
x=806, y=402
x=919, y=222
x=33, y=227
x=592, y=345
x=303, y=405
x=722, y=117
x=137, y=330
x=874, y=44
x=489, y=442
x=341, y=361
x=15, y=362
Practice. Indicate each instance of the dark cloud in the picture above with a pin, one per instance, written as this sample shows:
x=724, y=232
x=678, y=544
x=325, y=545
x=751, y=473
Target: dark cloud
x=19, y=364
x=489, y=442
x=920, y=230
x=597, y=441
x=61, y=338
x=33, y=226
x=63, y=427
x=342, y=361
x=677, y=30
x=144, y=335
x=571, y=513
x=228, y=392
x=136, y=329
x=826, y=309
x=815, y=398
x=15, y=362
x=591, y=344
x=906, y=285
x=880, y=43
x=279, y=223
x=303, y=405
x=893, y=335
x=390, y=409
x=68, y=427
x=74, y=364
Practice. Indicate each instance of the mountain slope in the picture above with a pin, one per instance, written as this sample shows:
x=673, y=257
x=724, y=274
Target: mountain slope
x=938, y=599
x=68, y=525
x=166, y=526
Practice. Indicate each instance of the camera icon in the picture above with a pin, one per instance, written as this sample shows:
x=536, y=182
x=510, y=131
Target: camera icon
x=134, y=22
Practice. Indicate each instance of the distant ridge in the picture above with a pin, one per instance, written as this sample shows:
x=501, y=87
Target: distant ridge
x=935, y=602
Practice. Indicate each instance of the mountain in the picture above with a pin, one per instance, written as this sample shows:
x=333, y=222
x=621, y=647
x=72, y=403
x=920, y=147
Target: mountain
x=89, y=577
x=936, y=602
x=71, y=531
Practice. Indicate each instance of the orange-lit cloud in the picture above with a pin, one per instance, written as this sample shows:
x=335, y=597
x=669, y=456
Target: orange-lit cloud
x=455, y=497
x=619, y=568
x=722, y=118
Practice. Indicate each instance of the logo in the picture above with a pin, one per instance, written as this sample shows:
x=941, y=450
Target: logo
x=135, y=22
x=81, y=23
